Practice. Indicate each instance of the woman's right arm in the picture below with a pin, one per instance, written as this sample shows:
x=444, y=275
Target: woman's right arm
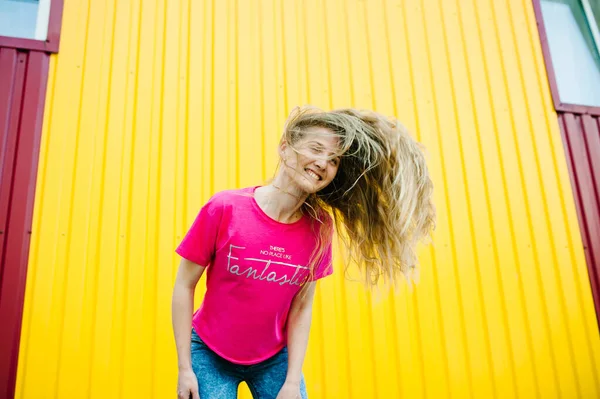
x=188, y=275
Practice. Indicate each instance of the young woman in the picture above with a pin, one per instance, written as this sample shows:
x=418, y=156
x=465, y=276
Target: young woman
x=265, y=247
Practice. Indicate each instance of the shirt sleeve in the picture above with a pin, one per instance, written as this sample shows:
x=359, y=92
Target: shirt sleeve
x=199, y=244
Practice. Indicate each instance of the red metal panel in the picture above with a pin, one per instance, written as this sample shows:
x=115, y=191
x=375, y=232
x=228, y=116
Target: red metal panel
x=581, y=135
x=29, y=44
x=23, y=77
x=9, y=118
x=580, y=128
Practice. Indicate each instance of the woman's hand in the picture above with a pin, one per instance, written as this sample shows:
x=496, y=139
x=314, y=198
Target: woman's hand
x=188, y=275
x=289, y=390
x=187, y=385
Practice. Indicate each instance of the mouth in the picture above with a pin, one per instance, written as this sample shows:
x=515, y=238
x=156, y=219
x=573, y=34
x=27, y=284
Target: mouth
x=313, y=174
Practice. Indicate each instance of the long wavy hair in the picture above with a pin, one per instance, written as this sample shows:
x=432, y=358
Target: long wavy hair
x=380, y=198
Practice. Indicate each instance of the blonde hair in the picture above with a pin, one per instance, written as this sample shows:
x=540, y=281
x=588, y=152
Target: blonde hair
x=381, y=196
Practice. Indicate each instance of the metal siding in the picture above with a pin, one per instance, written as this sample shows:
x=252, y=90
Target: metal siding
x=22, y=89
x=155, y=106
x=581, y=134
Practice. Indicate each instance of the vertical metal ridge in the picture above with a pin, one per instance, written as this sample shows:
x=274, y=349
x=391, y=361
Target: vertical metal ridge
x=348, y=52
x=303, y=67
x=467, y=189
x=543, y=290
x=135, y=107
x=573, y=129
x=33, y=275
x=327, y=57
x=230, y=111
x=591, y=134
x=139, y=268
x=212, y=93
x=436, y=127
x=71, y=189
x=186, y=145
x=501, y=157
x=24, y=77
x=493, y=234
x=95, y=263
x=480, y=158
x=159, y=76
x=13, y=96
x=550, y=231
x=236, y=99
x=507, y=92
x=55, y=230
x=261, y=94
x=179, y=195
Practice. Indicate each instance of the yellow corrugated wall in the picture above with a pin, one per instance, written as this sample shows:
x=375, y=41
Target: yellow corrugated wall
x=153, y=106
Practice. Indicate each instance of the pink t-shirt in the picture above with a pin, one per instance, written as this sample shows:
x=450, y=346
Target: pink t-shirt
x=255, y=267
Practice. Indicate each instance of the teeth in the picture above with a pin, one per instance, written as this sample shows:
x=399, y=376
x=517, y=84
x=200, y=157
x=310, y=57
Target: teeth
x=313, y=174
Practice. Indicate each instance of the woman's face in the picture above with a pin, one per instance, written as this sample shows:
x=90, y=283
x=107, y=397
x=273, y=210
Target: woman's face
x=314, y=164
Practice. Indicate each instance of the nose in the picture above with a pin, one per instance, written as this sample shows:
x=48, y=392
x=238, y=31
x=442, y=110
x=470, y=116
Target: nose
x=320, y=163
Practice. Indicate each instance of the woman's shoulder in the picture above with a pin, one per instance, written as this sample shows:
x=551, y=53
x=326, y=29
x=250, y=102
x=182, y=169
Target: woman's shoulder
x=226, y=197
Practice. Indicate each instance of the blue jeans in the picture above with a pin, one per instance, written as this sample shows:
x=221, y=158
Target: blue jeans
x=219, y=379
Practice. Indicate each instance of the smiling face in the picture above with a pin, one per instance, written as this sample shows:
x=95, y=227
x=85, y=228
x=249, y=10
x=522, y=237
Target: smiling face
x=313, y=162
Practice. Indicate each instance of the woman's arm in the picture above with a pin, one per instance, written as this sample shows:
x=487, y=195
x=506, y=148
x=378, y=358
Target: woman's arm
x=299, y=320
x=182, y=309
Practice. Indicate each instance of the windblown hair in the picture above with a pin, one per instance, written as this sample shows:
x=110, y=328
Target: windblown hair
x=380, y=198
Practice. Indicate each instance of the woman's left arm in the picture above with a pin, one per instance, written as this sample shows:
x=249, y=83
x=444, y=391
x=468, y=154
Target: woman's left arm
x=298, y=328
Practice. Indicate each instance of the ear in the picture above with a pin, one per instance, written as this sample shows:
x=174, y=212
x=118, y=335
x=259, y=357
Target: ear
x=282, y=147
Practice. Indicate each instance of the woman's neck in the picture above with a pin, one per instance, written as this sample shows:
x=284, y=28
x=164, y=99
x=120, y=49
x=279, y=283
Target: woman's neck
x=281, y=200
